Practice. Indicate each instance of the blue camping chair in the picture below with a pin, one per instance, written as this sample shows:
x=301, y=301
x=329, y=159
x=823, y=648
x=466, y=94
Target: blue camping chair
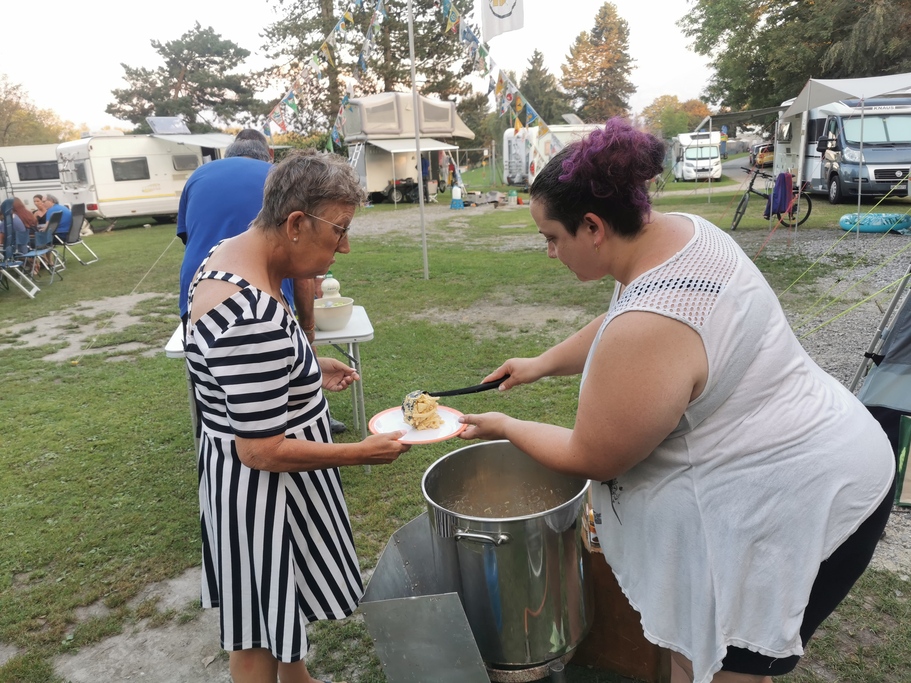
x=11, y=265
x=44, y=254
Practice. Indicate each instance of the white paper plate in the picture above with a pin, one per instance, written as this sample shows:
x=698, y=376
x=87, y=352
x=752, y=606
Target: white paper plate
x=392, y=419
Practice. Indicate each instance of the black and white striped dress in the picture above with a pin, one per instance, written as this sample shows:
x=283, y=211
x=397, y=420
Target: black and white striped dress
x=277, y=547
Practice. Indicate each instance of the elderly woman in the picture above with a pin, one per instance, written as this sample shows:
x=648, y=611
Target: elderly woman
x=740, y=490
x=277, y=543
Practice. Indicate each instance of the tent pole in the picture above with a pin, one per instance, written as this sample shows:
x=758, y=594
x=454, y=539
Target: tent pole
x=876, y=342
x=417, y=138
x=860, y=168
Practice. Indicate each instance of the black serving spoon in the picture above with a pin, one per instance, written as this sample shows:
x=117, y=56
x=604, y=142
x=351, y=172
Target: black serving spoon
x=470, y=390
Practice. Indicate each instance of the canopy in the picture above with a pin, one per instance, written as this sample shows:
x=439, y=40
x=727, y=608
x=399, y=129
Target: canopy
x=738, y=117
x=216, y=140
x=398, y=145
x=391, y=115
x=819, y=91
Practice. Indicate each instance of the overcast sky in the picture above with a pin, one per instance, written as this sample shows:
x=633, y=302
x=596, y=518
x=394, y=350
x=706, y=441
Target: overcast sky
x=72, y=64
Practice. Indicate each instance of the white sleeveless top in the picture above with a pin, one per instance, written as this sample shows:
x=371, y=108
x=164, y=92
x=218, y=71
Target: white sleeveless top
x=717, y=536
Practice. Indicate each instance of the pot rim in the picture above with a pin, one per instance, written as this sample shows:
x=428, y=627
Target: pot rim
x=494, y=520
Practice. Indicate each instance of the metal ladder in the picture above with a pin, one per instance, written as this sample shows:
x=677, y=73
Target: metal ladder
x=356, y=154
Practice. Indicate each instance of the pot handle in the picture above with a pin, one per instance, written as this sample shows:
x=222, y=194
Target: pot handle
x=498, y=539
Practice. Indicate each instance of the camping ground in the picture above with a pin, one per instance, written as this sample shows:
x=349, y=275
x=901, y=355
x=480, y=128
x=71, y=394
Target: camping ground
x=98, y=495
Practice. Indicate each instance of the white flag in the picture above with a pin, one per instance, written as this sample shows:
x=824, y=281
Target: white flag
x=500, y=16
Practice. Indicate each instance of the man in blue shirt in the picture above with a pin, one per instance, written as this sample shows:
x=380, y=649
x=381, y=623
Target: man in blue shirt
x=51, y=206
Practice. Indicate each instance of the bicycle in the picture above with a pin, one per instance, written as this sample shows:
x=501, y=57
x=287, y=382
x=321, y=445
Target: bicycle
x=799, y=207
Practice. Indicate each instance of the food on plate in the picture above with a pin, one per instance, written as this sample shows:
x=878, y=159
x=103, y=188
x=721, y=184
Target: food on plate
x=420, y=410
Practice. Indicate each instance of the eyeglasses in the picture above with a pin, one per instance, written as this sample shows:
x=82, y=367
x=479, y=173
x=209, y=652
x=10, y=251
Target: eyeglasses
x=341, y=231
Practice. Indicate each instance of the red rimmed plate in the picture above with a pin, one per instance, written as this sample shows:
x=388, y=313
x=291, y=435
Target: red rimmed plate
x=391, y=420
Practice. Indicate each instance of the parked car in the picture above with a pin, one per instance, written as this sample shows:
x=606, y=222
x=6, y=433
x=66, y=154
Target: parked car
x=765, y=156
x=754, y=151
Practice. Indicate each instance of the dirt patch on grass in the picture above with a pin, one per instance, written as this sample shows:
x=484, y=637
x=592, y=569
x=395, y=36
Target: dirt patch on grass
x=72, y=331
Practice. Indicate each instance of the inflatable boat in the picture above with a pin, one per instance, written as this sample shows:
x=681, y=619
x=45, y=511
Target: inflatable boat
x=876, y=222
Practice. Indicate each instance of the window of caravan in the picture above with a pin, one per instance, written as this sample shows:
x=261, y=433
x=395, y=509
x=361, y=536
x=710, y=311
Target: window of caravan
x=703, y=152
x=132, y=168
x=185, y=162
x=784, y=131
x=878, y=129
x=37, y=170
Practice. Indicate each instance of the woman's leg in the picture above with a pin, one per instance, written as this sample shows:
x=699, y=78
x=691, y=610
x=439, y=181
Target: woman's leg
x=253, y=666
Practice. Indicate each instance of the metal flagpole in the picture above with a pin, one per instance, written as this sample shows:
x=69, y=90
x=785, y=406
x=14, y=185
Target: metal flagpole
x=417, y=137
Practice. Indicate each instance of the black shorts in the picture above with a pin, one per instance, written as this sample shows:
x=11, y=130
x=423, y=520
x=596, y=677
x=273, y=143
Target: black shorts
x=833, y=582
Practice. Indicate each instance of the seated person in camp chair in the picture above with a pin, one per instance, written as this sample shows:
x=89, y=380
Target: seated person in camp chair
x=52, y=206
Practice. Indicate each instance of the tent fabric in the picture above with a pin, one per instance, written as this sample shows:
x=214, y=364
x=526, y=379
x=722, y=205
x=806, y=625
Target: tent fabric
x=738, y=117
x=399, y=145
x=216, y=140
x=391, y=115
x=819, y=91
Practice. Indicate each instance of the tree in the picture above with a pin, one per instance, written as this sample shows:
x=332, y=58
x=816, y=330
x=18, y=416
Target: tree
x=764, y=51
x=473, y=111
x=596, y=76
x=441, y=63
x=196, y=83
x=22, y=123
x=542, y=91
x=667, y=116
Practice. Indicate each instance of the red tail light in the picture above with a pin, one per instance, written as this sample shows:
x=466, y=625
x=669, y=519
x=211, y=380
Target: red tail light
x=91, y=207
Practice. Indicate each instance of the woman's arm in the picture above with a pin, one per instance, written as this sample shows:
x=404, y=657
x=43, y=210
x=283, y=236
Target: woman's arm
x=645, y=371
x=280, y=454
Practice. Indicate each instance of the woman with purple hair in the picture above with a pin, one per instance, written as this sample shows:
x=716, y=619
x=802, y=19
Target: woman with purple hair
x=739, y=491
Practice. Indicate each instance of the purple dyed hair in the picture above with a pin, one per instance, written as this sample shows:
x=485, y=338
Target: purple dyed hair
x=606, y=173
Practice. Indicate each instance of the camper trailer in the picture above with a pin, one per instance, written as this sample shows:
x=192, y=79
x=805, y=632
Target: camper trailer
x=833, y=162
x=543, y=147
x=517, y=155
x=380, y=133
x=31, y=170
x=118, y=175
x=697, y=156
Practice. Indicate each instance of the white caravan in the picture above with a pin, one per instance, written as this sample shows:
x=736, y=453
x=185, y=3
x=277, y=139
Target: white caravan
x=118, y=175
x=544, y=147
x=380, y=130
x=31, y=170
x=843, y=142
x=517, y=156
x=697, y=156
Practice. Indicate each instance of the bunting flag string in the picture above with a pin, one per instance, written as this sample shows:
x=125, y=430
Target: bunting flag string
x=314, y=69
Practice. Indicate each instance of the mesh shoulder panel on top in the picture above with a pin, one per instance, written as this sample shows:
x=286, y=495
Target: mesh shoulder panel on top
x=687, y=286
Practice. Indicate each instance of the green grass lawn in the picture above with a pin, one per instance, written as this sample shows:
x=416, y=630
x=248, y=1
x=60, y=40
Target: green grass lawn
x=98, y=490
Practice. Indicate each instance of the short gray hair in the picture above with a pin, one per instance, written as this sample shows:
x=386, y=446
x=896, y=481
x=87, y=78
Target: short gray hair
x=306, y=180
x=252, y=149
x=50, y=198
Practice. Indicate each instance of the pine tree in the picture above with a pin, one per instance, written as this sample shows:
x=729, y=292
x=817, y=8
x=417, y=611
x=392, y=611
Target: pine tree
x=541, y=90
x=596, y=77
x=194, y=83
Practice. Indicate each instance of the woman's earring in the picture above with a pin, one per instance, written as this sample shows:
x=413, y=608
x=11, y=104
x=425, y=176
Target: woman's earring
x=294, y=239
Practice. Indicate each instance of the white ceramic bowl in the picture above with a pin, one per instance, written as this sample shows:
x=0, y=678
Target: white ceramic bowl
x=331, y=314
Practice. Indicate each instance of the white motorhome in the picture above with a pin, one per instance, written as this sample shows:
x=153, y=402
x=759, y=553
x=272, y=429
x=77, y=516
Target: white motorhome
x=848, y=148
x=543, y=147
x=118, y=175
x=380, y=133
x=697, y=156
x=31, y=170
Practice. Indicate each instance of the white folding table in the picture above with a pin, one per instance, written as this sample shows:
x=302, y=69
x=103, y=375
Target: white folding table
x=359, y=329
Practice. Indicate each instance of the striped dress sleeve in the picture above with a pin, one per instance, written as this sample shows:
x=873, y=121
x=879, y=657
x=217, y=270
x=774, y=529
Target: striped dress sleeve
x=251, y=362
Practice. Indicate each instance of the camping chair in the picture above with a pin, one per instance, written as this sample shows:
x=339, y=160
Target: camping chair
x=43, y=254
x=74, y=237
x=10, y=265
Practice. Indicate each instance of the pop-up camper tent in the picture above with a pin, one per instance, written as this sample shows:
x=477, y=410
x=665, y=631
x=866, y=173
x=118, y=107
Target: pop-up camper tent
x=379, y=130
x=886, y=389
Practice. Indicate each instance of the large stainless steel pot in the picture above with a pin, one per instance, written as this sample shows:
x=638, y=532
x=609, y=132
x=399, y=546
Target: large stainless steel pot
x=524, y=573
